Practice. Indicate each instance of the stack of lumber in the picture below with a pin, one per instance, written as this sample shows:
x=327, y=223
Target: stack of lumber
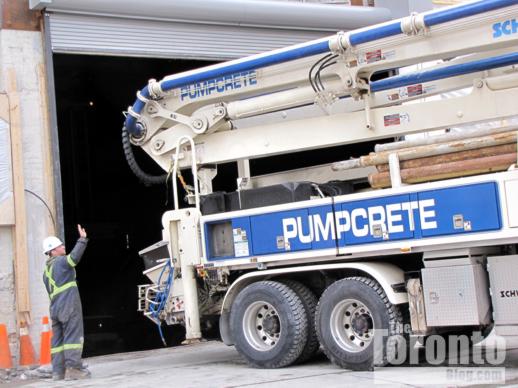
x=446, y=156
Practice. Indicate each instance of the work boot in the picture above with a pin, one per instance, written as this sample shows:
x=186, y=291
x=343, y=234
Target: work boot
x=58, y=376
x=77, y=374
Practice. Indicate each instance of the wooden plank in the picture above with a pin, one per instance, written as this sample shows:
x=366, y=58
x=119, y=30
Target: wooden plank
x=47, y=151
x=21, y=264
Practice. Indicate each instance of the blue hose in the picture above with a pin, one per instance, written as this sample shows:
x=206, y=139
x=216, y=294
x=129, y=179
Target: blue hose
x=445, y=72
x=161, y=298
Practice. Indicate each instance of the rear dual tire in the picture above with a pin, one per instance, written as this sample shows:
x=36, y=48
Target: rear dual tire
x=356, y=324
x=309, y=301
x=269, y=324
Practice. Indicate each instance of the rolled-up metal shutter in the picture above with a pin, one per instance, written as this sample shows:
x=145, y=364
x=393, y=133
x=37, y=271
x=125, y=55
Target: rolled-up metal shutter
x=194, y=29
x=71, y=33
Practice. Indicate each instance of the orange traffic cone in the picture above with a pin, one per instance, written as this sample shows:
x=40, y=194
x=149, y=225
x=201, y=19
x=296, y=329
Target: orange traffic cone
x=27, y=356
x=45, y=342
x=6, y=362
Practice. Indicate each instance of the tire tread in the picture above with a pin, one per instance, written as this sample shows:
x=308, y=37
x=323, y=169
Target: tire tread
x=299, y=324
x=309, y=301
x=394, y=315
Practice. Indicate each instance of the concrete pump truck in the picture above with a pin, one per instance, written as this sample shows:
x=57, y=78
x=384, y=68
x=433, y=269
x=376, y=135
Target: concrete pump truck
x=316, y=258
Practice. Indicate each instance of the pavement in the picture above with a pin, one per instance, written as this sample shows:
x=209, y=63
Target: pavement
x=212, y=364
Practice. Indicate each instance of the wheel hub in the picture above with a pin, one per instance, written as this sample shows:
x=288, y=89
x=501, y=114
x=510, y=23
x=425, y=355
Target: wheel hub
x=361, y=324
x=262, y=326
x=271, y=324
x=352, y=325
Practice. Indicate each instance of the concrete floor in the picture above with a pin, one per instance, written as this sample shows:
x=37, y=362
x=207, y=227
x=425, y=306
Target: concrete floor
x=212, y=364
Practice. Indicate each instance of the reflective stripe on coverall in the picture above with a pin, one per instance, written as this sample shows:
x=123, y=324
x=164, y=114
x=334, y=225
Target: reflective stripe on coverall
x=65, y=309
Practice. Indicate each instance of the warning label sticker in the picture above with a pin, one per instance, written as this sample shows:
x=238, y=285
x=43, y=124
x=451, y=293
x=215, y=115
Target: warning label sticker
x=396, y=119
x=414, y=90
x=240, y=242
x=373, y=56
x=411, y=91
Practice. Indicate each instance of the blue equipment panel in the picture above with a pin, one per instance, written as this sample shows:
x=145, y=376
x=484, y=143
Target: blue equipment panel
x=472, y=208
x=267, y=232
x=378, y=219
x=323, y=227
x=441, y=212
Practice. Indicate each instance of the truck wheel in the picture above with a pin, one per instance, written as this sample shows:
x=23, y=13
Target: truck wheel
x=269, y=324
x=309, y=301
x=349, y=314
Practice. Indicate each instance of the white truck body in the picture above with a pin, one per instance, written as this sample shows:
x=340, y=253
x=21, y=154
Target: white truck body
x=280, y=273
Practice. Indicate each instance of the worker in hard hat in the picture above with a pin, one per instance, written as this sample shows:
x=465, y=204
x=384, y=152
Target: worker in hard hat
x=65, y=307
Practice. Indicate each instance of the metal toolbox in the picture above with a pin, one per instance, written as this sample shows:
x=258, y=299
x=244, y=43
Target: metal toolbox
x=456, y=295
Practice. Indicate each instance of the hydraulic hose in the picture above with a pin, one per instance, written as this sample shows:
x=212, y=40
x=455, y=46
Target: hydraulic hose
x=161, y=298
x=145, y=178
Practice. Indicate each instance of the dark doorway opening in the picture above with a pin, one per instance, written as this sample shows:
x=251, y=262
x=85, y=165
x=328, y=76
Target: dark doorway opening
x=121, y=215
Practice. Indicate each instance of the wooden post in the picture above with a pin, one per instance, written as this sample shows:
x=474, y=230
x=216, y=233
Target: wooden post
x=47, y=152
x=21, y=265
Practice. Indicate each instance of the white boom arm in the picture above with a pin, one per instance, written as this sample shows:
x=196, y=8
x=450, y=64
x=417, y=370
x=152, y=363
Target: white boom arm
x=207, y=104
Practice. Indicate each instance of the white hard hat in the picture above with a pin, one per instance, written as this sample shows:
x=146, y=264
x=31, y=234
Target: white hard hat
x=51, y=243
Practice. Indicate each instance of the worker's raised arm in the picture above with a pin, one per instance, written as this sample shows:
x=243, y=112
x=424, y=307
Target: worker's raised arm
x=75, y=255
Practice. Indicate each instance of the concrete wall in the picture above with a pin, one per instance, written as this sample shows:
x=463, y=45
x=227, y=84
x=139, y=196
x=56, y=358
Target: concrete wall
x=22, y=59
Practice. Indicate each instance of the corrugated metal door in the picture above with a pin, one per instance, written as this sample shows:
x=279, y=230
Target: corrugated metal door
x=104, y=35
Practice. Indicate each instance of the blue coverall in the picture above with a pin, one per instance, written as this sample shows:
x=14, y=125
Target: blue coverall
x=65, y=309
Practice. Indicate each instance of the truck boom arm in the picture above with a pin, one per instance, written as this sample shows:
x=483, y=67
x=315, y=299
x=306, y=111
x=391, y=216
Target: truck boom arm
x=335, y=238
x=207, y=104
